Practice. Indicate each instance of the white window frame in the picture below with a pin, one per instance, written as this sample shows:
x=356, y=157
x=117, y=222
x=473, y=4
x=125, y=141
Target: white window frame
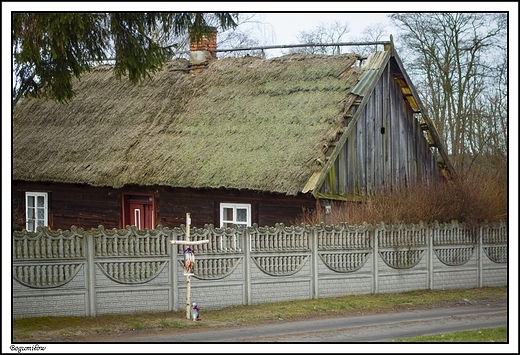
x=32, y=211
x=235, y=206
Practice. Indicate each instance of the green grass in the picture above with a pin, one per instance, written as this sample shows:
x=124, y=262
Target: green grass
x=488, y=335
x=173, y=324
x=64, y=328
x=137, y=324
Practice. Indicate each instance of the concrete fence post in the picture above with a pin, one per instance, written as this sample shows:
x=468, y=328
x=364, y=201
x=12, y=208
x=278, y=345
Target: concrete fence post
x=429, y=234
x=479, y=257
x=174, y=289
x=375, y=251
x=91, y=284
x=246, y=242
x=314, y=264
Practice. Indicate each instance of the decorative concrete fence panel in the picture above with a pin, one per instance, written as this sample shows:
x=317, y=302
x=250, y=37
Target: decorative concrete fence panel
x=132, y=270
x=344, y=261
x=456, y=256
x=50, y=274
x=402, y=258
x=279, y=263
x=494, y=255
x=89, y=273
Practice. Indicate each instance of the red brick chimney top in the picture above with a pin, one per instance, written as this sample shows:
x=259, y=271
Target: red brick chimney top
x=206, y=44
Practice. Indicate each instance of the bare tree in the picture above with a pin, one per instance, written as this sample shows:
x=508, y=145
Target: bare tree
x=372, y=33
x=457, y=63
x=242, y=37
x=323, y=34
x=50, y=49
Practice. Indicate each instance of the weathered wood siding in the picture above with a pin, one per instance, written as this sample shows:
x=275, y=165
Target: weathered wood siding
x=88, y=207
x=387, y=147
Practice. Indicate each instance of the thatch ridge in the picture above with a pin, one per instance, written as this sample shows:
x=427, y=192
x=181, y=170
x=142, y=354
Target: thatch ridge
x=240, y=123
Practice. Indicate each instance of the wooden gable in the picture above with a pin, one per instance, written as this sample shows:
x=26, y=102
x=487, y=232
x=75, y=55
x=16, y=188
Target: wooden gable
x=386, y=140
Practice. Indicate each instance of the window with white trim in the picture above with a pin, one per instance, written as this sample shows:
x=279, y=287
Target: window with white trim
x=36, y=210
x=235, y=215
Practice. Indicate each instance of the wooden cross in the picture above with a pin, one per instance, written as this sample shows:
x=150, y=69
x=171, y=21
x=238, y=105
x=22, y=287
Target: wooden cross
x=185, y=243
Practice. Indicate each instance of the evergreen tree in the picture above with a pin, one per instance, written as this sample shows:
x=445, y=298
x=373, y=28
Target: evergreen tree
x=50, y=49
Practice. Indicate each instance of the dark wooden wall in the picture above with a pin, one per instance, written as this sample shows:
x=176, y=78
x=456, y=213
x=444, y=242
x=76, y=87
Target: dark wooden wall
x=79, y=205
x=88, y=207
x=204, y=206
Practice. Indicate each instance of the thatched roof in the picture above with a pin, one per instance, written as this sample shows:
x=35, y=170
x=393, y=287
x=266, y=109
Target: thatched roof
x=241, y=123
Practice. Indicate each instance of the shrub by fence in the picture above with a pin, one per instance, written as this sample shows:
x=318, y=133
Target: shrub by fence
x=89, y=273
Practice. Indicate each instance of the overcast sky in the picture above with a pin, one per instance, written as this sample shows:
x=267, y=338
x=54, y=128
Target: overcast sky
x=287, y=26
x=284, y=28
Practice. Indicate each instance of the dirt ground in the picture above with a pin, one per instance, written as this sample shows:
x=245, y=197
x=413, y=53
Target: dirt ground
x=114, y=334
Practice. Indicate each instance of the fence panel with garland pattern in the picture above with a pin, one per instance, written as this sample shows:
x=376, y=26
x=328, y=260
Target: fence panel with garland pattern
x=87, y=273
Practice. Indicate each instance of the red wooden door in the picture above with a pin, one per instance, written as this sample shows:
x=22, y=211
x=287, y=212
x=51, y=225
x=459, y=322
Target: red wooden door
x=138, y=211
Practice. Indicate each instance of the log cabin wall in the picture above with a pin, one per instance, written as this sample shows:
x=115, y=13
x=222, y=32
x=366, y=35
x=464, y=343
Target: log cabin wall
x=88, y=207
x=204, y=206
x=82, y=206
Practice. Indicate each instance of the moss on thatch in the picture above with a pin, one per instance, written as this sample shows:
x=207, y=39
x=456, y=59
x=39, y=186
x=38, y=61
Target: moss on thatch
x=241, y=123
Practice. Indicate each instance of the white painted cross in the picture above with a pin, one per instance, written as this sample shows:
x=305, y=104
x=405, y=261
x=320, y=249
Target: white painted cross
x=187, y=242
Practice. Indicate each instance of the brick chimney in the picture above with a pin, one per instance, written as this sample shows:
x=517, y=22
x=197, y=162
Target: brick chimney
x=203, y=50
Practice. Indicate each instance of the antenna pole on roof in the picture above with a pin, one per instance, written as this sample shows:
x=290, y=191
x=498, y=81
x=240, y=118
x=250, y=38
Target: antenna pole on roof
x=389, y=46
x=263, y=48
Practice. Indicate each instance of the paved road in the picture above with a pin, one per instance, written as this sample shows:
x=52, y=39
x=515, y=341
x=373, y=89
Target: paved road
x=371, y=328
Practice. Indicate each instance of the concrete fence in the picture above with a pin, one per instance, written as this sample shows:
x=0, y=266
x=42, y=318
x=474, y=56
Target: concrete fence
x=96, y=272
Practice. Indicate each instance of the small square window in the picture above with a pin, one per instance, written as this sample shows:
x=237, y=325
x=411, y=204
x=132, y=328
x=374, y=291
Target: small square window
x=232, y=215
x=235, y=215
x=36, y=210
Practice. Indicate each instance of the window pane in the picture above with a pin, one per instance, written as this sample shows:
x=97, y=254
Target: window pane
x=30, y=213
x=241, y=215
x=40, y=214
x=30, y=226
x=41, y=201
x=228, y=214
x=30, y=201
